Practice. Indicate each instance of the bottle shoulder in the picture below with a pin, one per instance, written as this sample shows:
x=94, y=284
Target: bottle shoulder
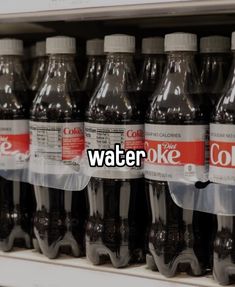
x=92, y=76
x=178, y=106
x=213, y=76
x=55, y=104
x=150, y=76
x=176, y=114
x=179, y=98
x=11, y=105
x=116, y=97
x=38, y=77
x=13, y=95
x=225, y=111
x=114, y=105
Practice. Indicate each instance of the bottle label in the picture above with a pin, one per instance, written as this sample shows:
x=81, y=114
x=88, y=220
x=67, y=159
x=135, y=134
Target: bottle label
x=176, y=153
x=14, y=144
x=222, y=153
x=105, y=137
x=55, y=146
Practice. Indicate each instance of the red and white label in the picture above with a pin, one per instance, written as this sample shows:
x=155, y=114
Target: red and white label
x=72, y=141
x=104, y=137
x=222, y=153
x=55, y=145
x=14, y=144
x=175, y=152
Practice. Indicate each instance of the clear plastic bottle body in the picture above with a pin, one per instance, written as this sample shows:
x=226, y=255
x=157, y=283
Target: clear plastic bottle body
x=26, y=62
x=150, y=75
x=33, y=67
x=115, y=227
x=178, y=238
x=224, y=111
x=224, y=250
x=214, y=70
x=37, y=76
x=60, y=216
x=63, y=83
x=16, y=204
x=93, y=74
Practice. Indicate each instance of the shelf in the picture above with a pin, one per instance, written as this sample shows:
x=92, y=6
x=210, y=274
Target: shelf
x=14, y=10
x=28, y=268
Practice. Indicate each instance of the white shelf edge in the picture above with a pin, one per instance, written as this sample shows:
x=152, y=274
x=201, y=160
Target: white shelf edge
x=158, y=9
x=28, y=268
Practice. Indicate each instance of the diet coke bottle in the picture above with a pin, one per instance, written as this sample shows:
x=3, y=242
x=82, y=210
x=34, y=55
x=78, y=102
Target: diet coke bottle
x=175, y=133
x=116, y=227
x=222, y=164
x=56, y=137
x=16, y=198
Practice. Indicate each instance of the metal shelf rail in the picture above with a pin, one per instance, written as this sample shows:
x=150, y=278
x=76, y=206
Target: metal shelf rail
x=45, y=10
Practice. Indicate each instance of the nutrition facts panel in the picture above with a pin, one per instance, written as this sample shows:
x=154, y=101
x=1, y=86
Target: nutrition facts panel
x=100, y=136
x=104, y=137
x=56, y=141
x=46, y=140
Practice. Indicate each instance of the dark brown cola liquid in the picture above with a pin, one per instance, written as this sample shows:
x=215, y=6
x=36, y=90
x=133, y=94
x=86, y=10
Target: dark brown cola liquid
x=38, y=76
x=214, y=70
x=61, y=214
x=93, y=74
x=179, y=239
x=118, y=212
x=38, y=72
x=16, y=198
x=150, y=76
x=224, y=244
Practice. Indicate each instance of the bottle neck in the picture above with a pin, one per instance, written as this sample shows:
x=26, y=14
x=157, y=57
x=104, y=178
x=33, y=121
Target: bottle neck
x=214, y=58
x=122, y=58
x=43, y=59
x=38, y=73
x=11, y=64
x=95, y=58
x=181, y=75
x=214, y=55
x=43, y=62
x=61, y=60
x=181, y=69
x=120, y=70
x=178, y=60
x=231, y=77
x=95, y=64
x=151, y=72
x=214, y=69
x=62, y=66
x=148, y=57
x=153, y=60
x=93, y=72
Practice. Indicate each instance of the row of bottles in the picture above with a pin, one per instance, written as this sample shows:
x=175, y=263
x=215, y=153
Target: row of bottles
x=213, y=64
x=120, y=215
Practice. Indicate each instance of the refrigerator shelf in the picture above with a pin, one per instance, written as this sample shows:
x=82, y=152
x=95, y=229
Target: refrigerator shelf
x=27, y=10
x=28, y=268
